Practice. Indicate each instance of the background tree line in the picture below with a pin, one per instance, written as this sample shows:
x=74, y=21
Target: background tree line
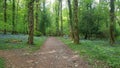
x=80, y=19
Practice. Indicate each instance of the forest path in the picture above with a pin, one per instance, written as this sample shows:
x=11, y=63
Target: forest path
x=53, y=54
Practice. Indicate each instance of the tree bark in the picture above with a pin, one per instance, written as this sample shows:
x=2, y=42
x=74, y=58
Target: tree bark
x=13, y=18
x=5, y=15
x=70, y=19
x=37, y=10
x=31, y=21
x=112, y=20
x=44, y=13
x=17, y=14
x=61, y=18
x=57, y=8
x=75, y=19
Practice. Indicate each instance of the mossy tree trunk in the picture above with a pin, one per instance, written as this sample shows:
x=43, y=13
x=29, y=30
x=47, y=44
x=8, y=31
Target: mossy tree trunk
x=75, y=20
x=70, y=20
x=37, y=15
x=31, y=21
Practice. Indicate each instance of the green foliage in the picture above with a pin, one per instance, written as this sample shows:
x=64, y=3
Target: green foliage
x=20, y=17
x=39, y=41
x=9, y=42
x=2, y=63
x=93, y=17
x=45, y=21
x=99, y=53
x=88, y=24
x=37, y=33
x=94, y=20
x=5, y=25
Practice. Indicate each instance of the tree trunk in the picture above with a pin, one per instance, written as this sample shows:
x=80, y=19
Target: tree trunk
x=5, y=15
x=75, y=19
x=86, y=36
x=44, y=13
x=57, y=17
x=31, y=21
x=37, y=10
x=13, y=18
x=17, y=15
x=112, y=20
x=61, y=19
x=70, y=19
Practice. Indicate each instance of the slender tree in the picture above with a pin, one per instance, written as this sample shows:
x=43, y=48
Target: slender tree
x=31, y=21
x=17, y=10
x=70, y=19
x=75, y=19
x=112, y=21
x=37, y=12
x=13, y=18
x=5, y=15
x=44, y=17
x=57, y=8
x=61, y=18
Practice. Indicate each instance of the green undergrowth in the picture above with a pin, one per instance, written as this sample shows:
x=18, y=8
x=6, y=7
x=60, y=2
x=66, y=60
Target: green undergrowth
x=38, y=42
x=98, y=53
x=9, y=42
x=2, y=63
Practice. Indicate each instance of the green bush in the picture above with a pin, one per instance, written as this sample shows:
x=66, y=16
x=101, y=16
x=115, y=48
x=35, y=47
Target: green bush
x=37, y=33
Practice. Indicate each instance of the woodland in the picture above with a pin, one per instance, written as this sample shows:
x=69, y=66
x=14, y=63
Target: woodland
x=89, y=27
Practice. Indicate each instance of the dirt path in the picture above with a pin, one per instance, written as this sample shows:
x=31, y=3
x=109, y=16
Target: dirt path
x=53, y=54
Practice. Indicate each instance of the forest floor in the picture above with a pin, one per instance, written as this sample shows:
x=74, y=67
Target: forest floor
x=53, y=54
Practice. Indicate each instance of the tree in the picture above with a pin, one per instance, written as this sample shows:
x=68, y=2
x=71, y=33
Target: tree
x=57, y=14
x=5, y=15
x=31, y=21
x=112, y=21
x=17, y=13
x=88, y=23
x=75, y=24
x=13, y=17
x=70, y=19
x=61, y=18
x=43, y=18
x=37, y=10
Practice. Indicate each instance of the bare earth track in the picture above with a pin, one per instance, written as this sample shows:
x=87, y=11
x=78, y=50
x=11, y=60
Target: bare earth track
x=53, y=54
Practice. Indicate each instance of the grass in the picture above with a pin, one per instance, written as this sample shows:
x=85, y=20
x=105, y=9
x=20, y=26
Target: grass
x=38, y=42
x=2, y=63
x=9, y=42
x=97, y=52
